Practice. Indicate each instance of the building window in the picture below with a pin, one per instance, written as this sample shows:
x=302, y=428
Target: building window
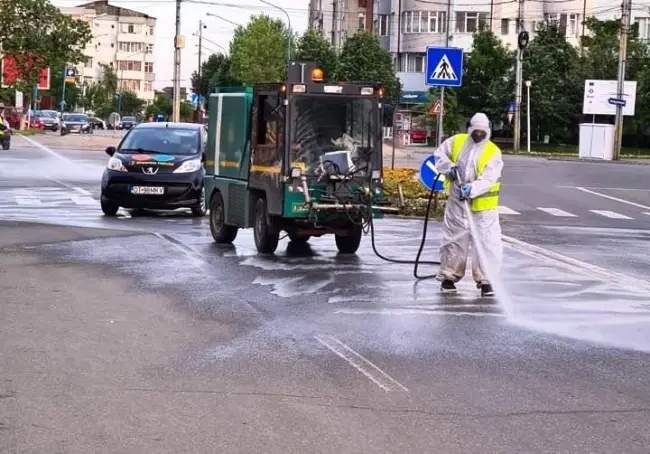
x=130, y=47
x=384, y=25
x=423, y=22
x=362, y=21
x=148, y=86
x=643, y=27
x=130, y=66
x=131, y=28
x=572, y=29
x=150, y=31
x=470, y=22
x=131, y=84
x=505, y=24
x=88, y=63
x=415, y=63
x=148, y=67
x=149, y=49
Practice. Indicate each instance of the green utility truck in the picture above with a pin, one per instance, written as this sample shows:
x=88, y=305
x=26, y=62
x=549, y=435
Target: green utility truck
x=302, y=156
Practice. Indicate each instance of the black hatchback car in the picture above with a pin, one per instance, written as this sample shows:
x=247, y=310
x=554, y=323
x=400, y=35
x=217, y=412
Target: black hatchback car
x=156, y=166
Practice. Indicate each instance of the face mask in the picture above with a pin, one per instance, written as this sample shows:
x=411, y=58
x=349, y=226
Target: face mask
x=477, y=136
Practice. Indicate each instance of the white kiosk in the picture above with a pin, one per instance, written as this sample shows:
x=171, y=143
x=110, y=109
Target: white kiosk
x=600, y=98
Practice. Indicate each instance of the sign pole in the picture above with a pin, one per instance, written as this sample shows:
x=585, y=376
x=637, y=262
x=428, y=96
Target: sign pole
x=442, y=89
x=65, y=74
x=622, y=54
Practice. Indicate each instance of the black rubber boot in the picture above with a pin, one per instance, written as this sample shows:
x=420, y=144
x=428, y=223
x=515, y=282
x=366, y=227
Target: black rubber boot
x=448, y=286
x=487, y=290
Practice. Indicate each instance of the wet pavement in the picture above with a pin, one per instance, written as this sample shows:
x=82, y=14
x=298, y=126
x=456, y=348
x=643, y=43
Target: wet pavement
x=311, y=351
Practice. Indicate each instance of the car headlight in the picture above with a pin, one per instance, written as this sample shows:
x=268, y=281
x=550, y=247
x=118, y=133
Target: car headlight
x=116, y=164
x=189, y=166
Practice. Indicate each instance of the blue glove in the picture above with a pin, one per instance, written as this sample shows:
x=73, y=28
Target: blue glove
x=453, y=173
x=465, y=191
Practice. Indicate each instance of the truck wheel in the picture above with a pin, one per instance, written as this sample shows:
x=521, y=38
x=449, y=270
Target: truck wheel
x=299, y=238
x=349, y=244
x=221, y=233
x=265, y=233
x=109, y=208
x=6, y=145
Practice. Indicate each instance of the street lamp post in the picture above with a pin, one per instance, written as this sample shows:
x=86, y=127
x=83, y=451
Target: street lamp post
x=528, y=84
x=223, y=19
x=289, y=23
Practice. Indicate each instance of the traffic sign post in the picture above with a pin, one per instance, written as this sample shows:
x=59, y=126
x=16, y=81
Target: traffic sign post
x=444, y=68
x=436, y=109
x=511, y=110
x=428, y=174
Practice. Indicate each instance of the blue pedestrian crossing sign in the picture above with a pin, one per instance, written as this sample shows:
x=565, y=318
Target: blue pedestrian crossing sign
x=444, y=67
x=428, y=174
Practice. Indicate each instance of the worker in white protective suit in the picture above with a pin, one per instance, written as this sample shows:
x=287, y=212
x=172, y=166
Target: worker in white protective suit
x=472, y=166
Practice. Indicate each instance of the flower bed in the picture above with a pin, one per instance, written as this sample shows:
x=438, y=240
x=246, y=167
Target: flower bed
x=415, y=195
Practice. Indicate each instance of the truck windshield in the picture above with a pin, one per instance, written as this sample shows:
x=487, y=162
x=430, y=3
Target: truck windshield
x=321, y=124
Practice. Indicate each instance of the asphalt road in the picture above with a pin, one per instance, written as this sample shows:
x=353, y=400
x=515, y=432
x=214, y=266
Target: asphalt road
x=144, y=336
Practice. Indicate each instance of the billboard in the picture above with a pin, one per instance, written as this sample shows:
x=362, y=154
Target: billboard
x=601, y=96
x=10, y=73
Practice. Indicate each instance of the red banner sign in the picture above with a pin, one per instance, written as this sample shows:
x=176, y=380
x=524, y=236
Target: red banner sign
x=10, y=74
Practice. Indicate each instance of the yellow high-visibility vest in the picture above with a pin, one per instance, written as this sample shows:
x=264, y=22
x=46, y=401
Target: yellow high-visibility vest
x=489, y=200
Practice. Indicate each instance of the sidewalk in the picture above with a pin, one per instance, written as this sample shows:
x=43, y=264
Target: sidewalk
x=94, y=142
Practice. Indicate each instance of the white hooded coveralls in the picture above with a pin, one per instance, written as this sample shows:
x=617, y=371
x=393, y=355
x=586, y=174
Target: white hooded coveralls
x=456, y=231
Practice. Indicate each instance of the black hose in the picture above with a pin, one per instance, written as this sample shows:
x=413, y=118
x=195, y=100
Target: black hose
x=417, y=261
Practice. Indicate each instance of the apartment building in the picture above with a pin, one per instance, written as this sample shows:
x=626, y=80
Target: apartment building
x=407, y=27
x=338, y=19
x=122, y=39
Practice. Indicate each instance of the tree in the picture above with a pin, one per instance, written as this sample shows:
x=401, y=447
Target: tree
x=553, y=67
x=363, y=59
x=313, y=47
x=453, y=117
x=214, y=72
x=488, y=82
x=258, y=52
x=37, y=35
x=130, y=103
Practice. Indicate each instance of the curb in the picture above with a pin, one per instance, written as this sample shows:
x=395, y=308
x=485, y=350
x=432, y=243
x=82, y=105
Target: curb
x=628, y=161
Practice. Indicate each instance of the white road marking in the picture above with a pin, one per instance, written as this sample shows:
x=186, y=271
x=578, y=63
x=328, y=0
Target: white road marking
x=616, y=199
x=407, y=311
x=559, y=260
x=647, y=212
x=557, y=212
x=610, y=214
x=370, y=370
x=506, y=210
x=28, y=201
x=602, y=189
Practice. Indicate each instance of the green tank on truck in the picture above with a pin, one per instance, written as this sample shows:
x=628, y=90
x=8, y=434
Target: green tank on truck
x=301, y=156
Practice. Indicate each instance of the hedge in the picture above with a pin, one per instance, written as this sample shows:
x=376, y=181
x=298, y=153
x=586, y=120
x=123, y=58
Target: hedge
x=416, y=196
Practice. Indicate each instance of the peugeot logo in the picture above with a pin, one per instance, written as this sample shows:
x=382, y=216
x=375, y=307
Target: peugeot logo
x=150, y=170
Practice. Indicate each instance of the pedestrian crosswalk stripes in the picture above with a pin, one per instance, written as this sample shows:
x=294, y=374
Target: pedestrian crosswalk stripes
x=556, y=212
x=610, y=214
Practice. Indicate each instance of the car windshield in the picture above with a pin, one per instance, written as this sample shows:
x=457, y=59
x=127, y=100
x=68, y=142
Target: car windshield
x=325, y=124
x=75, y=118
x=128, y=118
x=173, y=141
x=45, y=114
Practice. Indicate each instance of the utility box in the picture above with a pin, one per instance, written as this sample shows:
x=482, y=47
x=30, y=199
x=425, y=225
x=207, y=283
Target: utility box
x=596, y=141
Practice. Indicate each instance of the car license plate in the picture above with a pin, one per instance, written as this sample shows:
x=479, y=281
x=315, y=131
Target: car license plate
x=147, y=190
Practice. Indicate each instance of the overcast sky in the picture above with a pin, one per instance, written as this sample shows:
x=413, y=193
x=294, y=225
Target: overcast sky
x=218, y=31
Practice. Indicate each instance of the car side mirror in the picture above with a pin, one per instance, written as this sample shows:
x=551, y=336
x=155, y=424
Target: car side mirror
x=110, y=151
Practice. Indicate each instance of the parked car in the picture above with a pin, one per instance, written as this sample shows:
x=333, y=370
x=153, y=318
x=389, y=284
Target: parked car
x=127, y=122
x=418, y=136
x=74, y=122
x=49, y=120
x=13, y=117
x=97, y=123
x=156, y=166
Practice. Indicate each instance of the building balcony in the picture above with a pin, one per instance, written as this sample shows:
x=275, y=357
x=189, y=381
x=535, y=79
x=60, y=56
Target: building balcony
x=136, y=38
x=149, y=77
x=129, y=56
x=134, y=75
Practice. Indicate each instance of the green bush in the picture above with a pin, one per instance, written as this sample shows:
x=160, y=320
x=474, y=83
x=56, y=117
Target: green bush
x=416, y=196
